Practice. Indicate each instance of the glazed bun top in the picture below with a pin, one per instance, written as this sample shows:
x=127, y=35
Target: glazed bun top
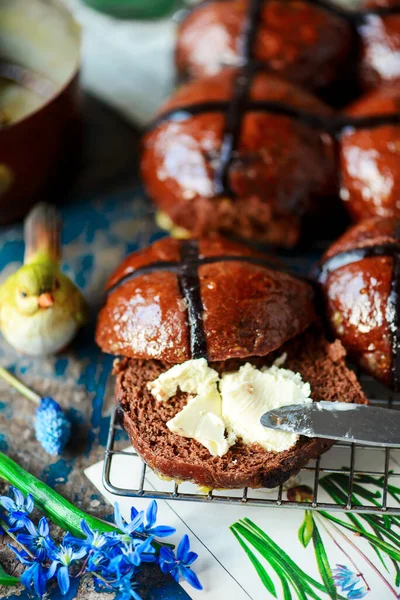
x=380, y=43
x=211, y=298
x=360, y=277
x=298, y=40
x=370, y=233
x=258, y=175
x=370, y=156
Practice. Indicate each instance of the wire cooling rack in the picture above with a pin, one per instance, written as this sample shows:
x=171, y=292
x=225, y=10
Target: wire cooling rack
x=354, y=466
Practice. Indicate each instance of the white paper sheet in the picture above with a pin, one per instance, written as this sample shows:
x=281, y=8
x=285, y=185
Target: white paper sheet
x=223, y=566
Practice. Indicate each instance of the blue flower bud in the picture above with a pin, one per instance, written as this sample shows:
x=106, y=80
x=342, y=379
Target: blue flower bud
x=52, y=427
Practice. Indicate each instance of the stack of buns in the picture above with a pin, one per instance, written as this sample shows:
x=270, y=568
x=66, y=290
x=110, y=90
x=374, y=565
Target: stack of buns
x=252, y=147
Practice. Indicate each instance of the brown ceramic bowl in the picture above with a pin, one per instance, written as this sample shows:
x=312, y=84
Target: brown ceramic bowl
x=39, y=100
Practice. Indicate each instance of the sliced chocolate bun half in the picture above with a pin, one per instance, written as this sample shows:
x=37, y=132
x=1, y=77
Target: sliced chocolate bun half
x=360, y=278
x=242, y=153
x=320, y=363
x=180, y=303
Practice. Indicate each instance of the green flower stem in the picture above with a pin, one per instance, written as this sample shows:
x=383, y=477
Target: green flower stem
x=371, y=564
x=84, y=565
x=19, y=386
x=12, y=535
x=358, y=570
x=104, y=581
x=5, y=578
x=8, y=580
x=57, y=508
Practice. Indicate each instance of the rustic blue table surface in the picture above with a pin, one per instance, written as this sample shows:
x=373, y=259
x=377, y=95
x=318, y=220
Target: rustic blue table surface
x=106, y=217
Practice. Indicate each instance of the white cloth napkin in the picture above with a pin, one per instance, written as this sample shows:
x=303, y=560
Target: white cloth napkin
x=127, y=63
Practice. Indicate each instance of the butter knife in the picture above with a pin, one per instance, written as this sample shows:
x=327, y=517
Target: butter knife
x=358, y=423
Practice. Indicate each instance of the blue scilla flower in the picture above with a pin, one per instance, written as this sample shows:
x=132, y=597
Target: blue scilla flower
x=151, y=518
x=94, y=540
x=18, y=509
x=97, y=562
x=63, y=557
x=134, y=526
x=137, y=552
x=125, y=586
x=137, y=523
x=52, y=428
x=179, y=565
x=38, y=541
x=35, y=575
x=349, y=582
x=117, y=567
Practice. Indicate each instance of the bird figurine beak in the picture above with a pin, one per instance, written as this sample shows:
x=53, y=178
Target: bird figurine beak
x=45, y=300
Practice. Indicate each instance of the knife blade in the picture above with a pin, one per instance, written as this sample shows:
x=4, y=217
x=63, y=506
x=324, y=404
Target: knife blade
x=358, y=423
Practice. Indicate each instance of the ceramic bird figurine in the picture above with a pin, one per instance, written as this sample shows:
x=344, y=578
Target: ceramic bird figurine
x=41, y=310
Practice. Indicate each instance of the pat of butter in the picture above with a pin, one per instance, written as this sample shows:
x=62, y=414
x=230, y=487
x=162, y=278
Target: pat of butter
x=250, y=392
x=201, y=420
x=191, y=377
x=217, y=416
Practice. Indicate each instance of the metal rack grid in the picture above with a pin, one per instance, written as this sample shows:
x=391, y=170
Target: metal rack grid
x=312, y=472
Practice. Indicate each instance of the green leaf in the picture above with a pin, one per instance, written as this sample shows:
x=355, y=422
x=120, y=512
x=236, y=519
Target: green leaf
x=344, y=481
x=377, y=527
x=373, y=539
x=397, y=570
x=306, y=529
x=282, y=564
x=323, y=564
x=6, y=579
x=261, y=572
x=372, y=520
x=283, y=557
x=270, y=558
x=286, y=590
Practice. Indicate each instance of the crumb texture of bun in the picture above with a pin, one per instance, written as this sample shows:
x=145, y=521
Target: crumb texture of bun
x=370, y=158
x=357, y=297
x=248, y=309
x=282, y=172
x=300, y=42
x=171, y=455
x=380, y=46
